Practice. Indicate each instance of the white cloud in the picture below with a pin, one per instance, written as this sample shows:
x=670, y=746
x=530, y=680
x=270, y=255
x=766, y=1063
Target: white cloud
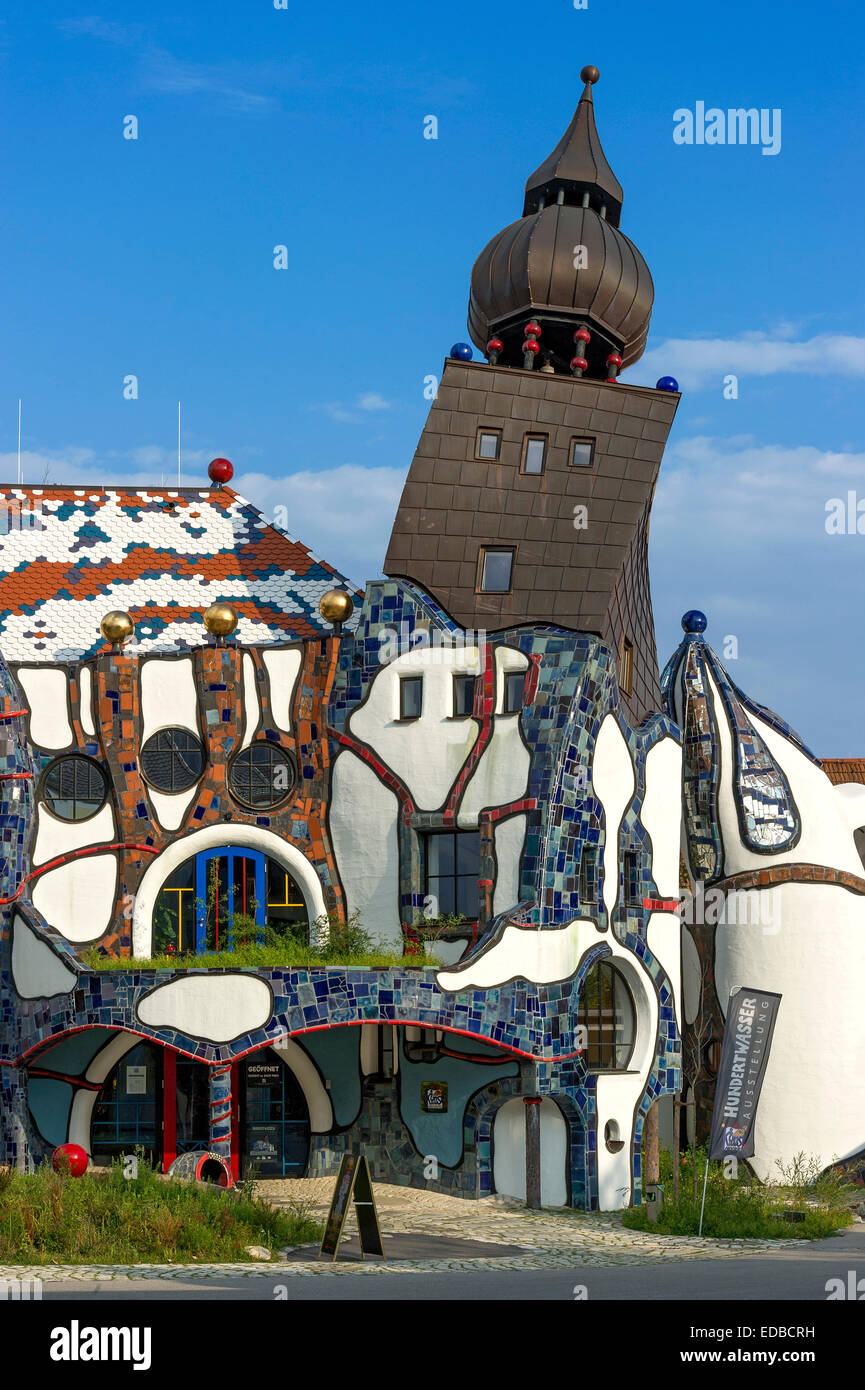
x=699, y=362
x=346, y=413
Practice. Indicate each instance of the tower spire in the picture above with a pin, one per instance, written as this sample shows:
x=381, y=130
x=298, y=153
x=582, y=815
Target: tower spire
x=577, y=171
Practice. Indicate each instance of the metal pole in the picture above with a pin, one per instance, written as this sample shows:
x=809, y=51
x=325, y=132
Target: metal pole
x=703, y=1207
x=533, y=1151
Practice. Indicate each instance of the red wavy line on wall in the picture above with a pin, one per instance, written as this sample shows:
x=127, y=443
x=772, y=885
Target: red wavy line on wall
x=65, y=858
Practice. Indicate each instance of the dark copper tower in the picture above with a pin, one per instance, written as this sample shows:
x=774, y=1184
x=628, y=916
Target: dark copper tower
x=528, y=498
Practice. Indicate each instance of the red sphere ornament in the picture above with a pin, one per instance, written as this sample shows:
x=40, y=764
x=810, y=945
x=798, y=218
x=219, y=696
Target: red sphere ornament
x=534, y=328
x=71, y=1159
x=220, y=471
x=495, y=345
x=579, y=362
x=582, y=335
x=531, y=346
x=614, y=360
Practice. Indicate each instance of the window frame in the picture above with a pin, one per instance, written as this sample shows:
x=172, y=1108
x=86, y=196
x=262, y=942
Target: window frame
x=282, y=756
x=483, y=552
x=626, y=666
x=55, y=766
x=495, y=433
x=463, y=676
x=453, y=876
x=146, y=777
x=405, y=681
x=513, y=677
x=581, y=439
x=596, y=1054
x=529, y=438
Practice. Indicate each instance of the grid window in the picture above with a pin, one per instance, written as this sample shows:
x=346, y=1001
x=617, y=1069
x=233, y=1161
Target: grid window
x=261, y=776
x=515, y=682
x=607, y=1014
x=410, y=697
x=74, y=788
x=496, y=570
x=453, y=863
x=534, y=453
x=172, y=760
x=464, y=696
x=582, y=453
x=488, y=444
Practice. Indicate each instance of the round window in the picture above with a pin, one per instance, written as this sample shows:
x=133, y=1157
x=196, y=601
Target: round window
x=172, y=760
x=74, y=788
x=261, y=776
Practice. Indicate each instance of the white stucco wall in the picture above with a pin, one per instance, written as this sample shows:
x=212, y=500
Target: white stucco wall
x=168, y=696
x=614, y=784
x=282, y=666
x=218, y=1008
x=363, y=827
x=37, y=971
x=510, y=836
x=428, y=753
x=46, y=691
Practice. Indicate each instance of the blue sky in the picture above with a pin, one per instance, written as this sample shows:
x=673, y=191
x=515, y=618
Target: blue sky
x=304, y=127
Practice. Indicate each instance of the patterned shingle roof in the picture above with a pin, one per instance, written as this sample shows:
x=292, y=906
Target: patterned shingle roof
x=840, y=770
x=68, y=555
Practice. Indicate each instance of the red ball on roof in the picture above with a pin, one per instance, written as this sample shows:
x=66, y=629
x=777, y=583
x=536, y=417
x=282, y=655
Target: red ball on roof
x=220, y=471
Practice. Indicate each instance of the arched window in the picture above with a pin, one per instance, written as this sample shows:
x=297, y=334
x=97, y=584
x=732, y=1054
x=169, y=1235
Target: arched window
x=224, y=898
x=607, y=1015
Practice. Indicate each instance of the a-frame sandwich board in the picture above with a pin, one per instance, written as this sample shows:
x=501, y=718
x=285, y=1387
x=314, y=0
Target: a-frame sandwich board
x=353, y=1183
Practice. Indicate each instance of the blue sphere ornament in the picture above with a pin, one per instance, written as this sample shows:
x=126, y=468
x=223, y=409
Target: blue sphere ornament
x=666, y=383
x=462, y=352
x=694, y=621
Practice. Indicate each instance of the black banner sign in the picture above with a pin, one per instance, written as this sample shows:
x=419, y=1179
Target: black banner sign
x=751, y=1015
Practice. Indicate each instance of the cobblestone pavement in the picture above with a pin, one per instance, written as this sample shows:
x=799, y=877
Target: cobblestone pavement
x=551, y=1239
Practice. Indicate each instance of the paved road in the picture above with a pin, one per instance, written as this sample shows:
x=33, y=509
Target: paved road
x=797, y=1275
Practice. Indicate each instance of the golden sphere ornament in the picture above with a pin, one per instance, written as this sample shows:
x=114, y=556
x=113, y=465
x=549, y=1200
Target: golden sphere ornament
x=117, y=627
x=220, y=619
x=336, y=606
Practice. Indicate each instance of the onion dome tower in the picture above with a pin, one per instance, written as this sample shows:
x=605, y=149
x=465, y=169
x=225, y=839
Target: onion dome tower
x=528, y=498
x=565, y=263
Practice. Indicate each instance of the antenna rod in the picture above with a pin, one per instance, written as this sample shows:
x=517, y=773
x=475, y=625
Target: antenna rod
x=20, y=479
x=178, y=443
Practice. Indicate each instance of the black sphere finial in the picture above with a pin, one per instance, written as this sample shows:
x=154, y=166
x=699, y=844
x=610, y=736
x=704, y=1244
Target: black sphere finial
x=590, y=74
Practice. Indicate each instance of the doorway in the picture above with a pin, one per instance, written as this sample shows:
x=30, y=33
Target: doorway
x=274, y=1118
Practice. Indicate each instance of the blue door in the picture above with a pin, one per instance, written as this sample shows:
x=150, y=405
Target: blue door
x=229, y=883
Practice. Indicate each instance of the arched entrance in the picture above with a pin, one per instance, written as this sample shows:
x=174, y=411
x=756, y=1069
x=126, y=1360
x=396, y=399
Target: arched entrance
x=127, y=1113
x=227, y=896
x=509, y=1152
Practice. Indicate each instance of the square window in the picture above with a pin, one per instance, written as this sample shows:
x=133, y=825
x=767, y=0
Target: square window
x=452, y=868
x=464, y=696
x=410, y=697
x=514, y=685
x=582, y=453
x=534, y=453
x=488, y=444
x=496, y=568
